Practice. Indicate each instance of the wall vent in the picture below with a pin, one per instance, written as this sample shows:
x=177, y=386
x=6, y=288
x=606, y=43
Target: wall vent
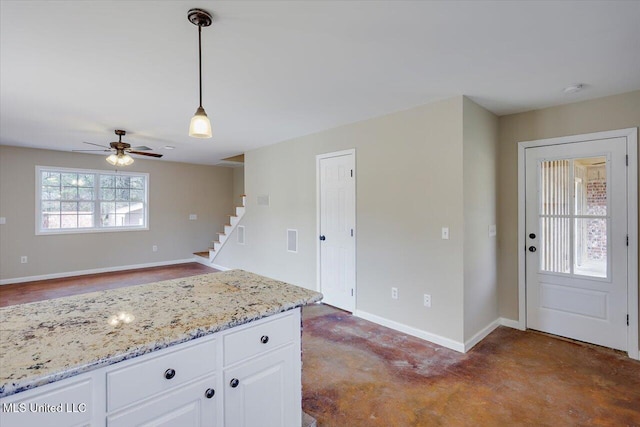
x=241, y=234
x=292, y=240
x=263, y=200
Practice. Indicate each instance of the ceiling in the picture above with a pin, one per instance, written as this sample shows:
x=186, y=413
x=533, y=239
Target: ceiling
x=73, y=71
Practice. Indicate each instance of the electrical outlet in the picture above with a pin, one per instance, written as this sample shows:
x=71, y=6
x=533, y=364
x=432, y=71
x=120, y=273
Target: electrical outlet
x=154, y=248
x=427, y=300
x=394, y=293
x=23, y=259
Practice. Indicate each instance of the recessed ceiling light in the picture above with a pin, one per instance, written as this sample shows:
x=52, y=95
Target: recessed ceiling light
x=574, y=88
x=168, y=147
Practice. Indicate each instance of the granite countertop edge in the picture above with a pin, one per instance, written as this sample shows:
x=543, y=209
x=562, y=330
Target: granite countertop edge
x=11, y=388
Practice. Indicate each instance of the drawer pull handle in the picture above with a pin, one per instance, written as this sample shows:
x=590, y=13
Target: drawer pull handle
x=169, y=373
x=264, y=339
x=209, y=393
x=234, y=383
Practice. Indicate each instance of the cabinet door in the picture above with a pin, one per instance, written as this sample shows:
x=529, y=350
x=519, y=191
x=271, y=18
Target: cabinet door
x=265, y=391
x=186, y=406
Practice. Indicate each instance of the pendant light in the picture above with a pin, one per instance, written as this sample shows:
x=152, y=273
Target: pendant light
x=200, y=126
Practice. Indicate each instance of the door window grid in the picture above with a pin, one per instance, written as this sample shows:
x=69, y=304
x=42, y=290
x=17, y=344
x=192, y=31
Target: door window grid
x=71, y=200
x=573, y=216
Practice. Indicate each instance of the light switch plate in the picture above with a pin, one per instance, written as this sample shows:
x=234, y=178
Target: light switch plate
x=445, y=233
x=492, y=230
x=3, y=220
x=193, y=217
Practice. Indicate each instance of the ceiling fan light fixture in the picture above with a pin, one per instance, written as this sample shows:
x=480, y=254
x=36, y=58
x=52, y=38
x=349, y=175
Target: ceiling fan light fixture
x=112, y=159
x=200, y=126
x=125, y=160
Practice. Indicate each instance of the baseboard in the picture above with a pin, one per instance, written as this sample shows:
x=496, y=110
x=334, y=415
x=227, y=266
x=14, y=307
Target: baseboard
x=219, y=267
x=509, y=323
x=92, y=271
x=468, y=345
x=409, y=330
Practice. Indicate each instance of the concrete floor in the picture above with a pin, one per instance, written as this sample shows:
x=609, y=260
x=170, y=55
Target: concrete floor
x=356, y=373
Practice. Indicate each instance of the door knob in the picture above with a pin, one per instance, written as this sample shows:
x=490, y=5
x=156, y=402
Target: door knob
x=532, y=249
x=323, y=238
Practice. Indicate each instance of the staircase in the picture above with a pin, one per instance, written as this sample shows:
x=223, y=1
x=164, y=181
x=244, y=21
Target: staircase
x=207, y=258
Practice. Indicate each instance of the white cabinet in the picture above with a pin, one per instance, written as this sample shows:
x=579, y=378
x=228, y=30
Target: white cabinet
x=190, y=405
x=64, y=403
x=186, y=385
x=260, y=392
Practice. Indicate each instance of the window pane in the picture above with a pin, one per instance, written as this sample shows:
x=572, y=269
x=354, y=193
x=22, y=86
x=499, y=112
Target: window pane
x=85, y=193
x=122, y=194
x=69, y=179
x=69, y=207
x=554, y=187
x=51, y=178
x=51, y=207
x=122, y=214
x=85, y=221
x=85, y=180
x=50, y=221
x=591, y=186
x=137, y=182
x=107, y=194
x=85, y=207
x=555, y=245
x=69, y=193
x=137, y=196
x=107, y=214
x=69, y=221
x=50, y=193
x=107, y=181
x=591, y=247
x=122, y=182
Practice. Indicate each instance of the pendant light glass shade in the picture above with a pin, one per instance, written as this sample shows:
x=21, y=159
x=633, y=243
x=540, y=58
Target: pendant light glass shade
x=200, y=126
x=120, y=159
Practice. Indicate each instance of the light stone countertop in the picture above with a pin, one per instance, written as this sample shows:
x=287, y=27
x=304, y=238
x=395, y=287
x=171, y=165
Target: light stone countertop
x=47, y=341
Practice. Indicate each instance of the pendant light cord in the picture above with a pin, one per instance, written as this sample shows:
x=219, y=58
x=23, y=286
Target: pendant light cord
x=200, y=60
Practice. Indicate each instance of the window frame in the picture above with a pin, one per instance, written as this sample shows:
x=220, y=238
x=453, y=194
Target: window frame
x=96, y=201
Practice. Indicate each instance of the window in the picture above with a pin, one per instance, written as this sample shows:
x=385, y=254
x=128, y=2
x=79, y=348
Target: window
x=77, y=201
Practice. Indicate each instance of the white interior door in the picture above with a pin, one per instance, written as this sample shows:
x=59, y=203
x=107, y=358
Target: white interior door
x=337, y=216
x=576, y=241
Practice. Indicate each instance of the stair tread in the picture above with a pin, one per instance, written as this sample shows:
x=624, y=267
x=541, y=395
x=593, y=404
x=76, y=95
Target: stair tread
x=203, y=254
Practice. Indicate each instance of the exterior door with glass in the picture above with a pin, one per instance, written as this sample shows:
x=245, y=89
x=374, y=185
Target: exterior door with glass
x=576, y=242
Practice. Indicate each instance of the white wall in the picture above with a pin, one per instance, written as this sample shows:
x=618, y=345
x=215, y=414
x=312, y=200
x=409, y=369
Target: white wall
x=409, y=184
x=175, y=191
x=238, y=184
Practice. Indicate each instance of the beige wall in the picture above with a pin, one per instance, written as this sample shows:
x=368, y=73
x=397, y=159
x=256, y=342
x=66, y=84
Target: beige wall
x=238, y=184
x=175, y=191
x=409, y=185
x=480, y=160
x=610, y=113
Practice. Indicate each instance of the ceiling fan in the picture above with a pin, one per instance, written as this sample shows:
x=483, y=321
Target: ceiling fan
x=121, y=150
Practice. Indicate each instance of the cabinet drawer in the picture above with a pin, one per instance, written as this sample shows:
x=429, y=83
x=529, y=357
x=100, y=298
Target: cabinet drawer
x=65, y=403
x=261, y=337
x=139, y=380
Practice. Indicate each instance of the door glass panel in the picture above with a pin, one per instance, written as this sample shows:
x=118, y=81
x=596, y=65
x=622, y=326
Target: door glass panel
x=573, y=216
x=590, y=247
x=555, y=245
x=590, y=186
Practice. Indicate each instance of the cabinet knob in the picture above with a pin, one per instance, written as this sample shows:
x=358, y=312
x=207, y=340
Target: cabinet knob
x=532, y=248
x=169, y=373
x=209, y=393
x=234, y=383
x=264, y=339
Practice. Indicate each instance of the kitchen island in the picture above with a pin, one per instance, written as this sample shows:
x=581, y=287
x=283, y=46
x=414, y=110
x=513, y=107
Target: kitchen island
x=215, y=349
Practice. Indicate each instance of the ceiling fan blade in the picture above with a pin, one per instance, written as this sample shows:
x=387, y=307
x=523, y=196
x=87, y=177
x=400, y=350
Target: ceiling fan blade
x=141, y=148
x=139, y=153
x=104, y=151
x=97, y=145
